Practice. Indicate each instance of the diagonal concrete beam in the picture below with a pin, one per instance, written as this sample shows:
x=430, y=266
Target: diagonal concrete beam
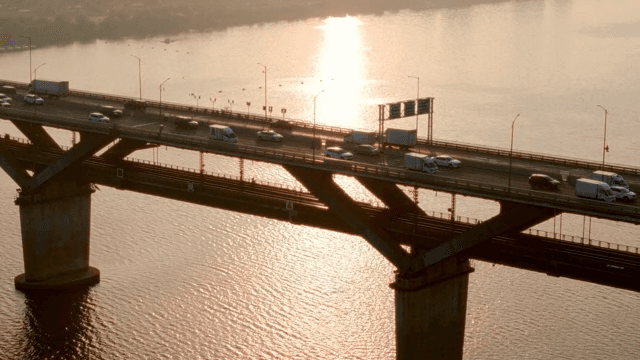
x=124, y=148
x=36, y=134
x=11, y=165
x=391, y=195
x=87, y=147
x=321, y=184
x=513, y=217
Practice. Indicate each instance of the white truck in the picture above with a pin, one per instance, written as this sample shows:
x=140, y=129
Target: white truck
x=611, y=178
x=403, y=139
x=420, y=162
x=54, y=89
x=594, y=189
x=360, y=137
x=223, y=133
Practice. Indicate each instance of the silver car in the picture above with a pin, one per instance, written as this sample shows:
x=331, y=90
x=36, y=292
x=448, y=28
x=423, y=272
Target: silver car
x=269, y=135
x=98, y=117
x=338, y=153
x=446, y=161
x=623, y=194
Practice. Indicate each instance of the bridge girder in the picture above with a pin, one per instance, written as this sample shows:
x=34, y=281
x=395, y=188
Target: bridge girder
x=513, y=217
x=89, y=145
x=36, y=134
x=124, y=148
x=321, y=184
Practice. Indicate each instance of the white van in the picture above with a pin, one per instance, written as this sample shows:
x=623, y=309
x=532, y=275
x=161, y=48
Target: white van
x=223, y=133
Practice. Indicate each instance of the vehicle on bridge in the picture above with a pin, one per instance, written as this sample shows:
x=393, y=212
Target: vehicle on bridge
x=4, y=103
x=611, y=178
x=420, y=162
x=99, y=117
x=543, y=182
x=54, y=89
x=6, y=98
x=269, y=135
x=594, y=189
x=183, y=122
x=360, y=137
x=337, y=153
x=222, y=133
x=135, y=105
x=446, y=161
x=403, y=139
x=282, y=124
x=8, y=89
x=623, y=194
x=112, y=111
x=366, y=149
x=31, y=99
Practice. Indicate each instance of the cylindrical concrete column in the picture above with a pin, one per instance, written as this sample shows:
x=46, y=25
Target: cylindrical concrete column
x=55, y=226
x=431, y=311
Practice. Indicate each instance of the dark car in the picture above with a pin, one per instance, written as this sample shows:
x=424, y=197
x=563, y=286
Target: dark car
x=282, y=124
x=135, y=105
x=111, y=111
x=366, y=149
x=8, y=89
x=543, y=182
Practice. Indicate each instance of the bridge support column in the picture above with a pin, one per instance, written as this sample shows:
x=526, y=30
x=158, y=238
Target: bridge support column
x=55, y=224
x=431, y=311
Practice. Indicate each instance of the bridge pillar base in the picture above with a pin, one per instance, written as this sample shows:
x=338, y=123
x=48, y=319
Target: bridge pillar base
x=431, y=311
x=55, y=225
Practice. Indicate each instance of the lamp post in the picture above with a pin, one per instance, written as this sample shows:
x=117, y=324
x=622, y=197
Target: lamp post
x=265, y=90
x=139, y=74
x=197, y=97
x=213, y=103
x=605, y=148
x=283, y=111
x=162, y=83
x=417, y=97
x=511, y=151
x=28, y=37
x=231, y=102
x=248, y=105
x=314, y=126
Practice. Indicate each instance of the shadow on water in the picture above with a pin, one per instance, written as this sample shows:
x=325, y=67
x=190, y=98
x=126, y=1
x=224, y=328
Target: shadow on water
x=58, y=325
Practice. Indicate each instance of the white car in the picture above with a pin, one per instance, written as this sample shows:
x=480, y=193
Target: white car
x=269, y=135
x=446, y=161
x=4, y=103
x=31, y=99
x=623, y=194
x=98, y=117
x=6, y=98
x=338, y=153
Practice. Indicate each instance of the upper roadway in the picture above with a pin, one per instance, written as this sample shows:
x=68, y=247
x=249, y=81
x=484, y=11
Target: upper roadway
x=484, y=172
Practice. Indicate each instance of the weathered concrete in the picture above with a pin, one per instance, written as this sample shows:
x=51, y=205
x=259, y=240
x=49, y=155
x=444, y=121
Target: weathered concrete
x=431, y=311
x=55, y=227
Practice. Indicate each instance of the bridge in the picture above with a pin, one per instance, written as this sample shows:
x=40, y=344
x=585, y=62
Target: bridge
x=430, y=251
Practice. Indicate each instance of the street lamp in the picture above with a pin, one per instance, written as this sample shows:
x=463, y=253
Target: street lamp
x=139, y=75
x=265, y=90
x=283, y=111
x=197, y=97
x=231, y=102
x=28, y=37
x=248, y=105
x=213, y=103
x=314, y=126
x=511, y=151
x=417, y=97
x=605, y=148
x=162, y=83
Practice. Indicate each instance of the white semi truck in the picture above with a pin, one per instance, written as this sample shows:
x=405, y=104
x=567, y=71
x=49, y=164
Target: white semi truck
x=360, y=137
x=611, y=178
x=223, y=133
x=420, y=162
x=594, y=189
x=54, y=89
x=403, y=139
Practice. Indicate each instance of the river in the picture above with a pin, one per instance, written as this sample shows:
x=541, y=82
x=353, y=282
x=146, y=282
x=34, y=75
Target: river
x=181, y=281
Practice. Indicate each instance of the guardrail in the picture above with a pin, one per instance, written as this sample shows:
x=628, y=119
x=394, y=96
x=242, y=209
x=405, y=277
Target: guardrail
x=623, y=169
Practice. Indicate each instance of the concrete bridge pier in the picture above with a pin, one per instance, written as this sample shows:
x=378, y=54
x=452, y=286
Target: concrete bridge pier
x=431, y=311
x=55, y=224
